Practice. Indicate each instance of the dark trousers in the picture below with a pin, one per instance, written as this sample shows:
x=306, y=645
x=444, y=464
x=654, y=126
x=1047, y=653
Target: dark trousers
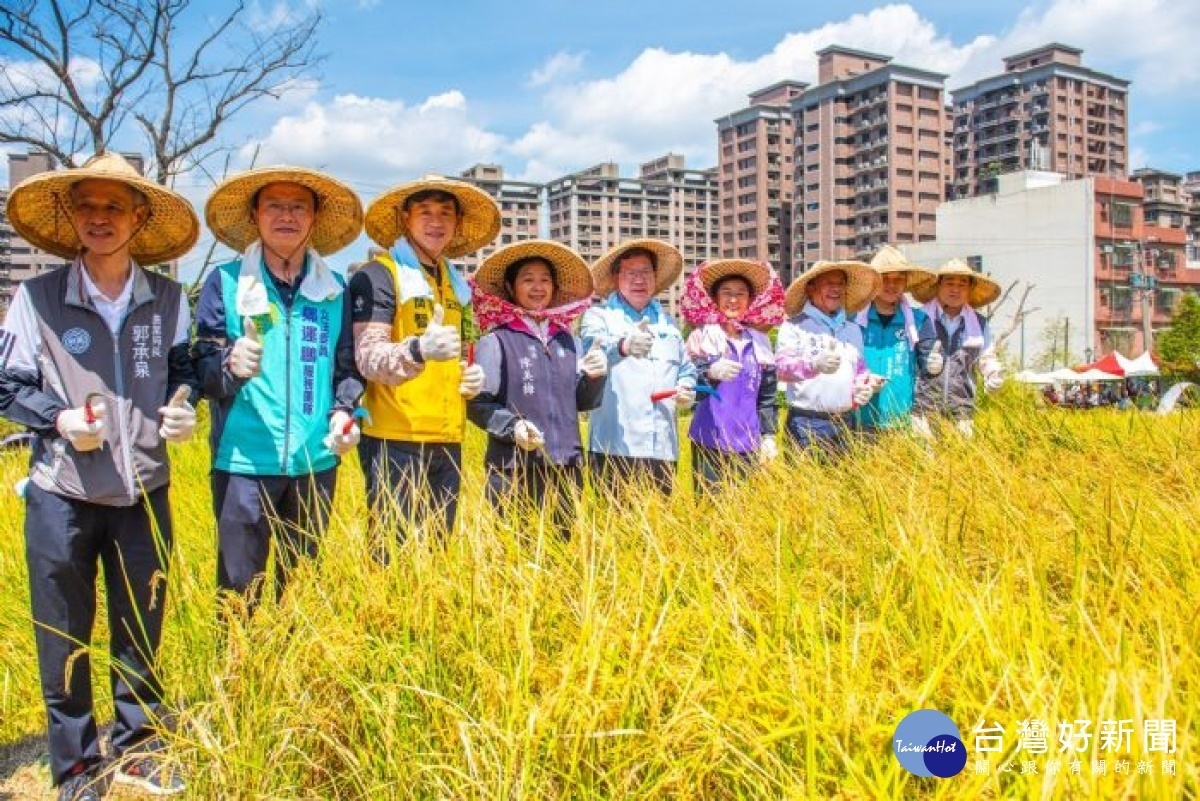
x=613, y=474
x=552, y=489
x=711, y=467
x=827, y=435
x=409, y=483
x=64, y=540
x=250, y=508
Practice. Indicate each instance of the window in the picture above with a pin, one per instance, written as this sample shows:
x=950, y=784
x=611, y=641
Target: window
x=1122, y=215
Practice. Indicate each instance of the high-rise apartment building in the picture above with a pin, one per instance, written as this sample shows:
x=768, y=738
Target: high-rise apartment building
x=19, y=259
x=596, y=209
x=1046, y=111
x=520, y=210
x=754, y=163
x=870, y=156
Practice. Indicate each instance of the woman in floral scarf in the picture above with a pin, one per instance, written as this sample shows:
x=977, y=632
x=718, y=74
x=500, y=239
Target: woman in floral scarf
x=730, y=304
x=526, y=296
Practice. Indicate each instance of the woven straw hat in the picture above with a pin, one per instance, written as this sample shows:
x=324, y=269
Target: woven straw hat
x=570, y=270
x=38, y=209
x=890, y=260
x=757, y=274
x=983, y=289
x=339, y=211
x=668, y=265
x=862, y=282
x=478, y=222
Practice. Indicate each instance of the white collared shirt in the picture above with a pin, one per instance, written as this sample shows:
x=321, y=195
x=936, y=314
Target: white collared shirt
x=113, y=311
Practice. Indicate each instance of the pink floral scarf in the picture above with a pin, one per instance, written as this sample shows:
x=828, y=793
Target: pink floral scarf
x=766, y=310
x=492, y=311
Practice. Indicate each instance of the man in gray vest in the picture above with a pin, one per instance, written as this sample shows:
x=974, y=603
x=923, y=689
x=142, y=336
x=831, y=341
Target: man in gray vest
x=94, y=360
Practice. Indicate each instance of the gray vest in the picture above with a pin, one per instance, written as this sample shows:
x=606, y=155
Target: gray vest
x=953, y=392
x=539, y=383
x=80, y=356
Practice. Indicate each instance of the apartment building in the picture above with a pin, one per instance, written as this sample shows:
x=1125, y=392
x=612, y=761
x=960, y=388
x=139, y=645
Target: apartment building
x=1086, y=245
x=754, y=163
x=596, y=209
x=870, y=156
x=520, y=210
x=19, y=259
x=1190, y=191
x=1046, y=111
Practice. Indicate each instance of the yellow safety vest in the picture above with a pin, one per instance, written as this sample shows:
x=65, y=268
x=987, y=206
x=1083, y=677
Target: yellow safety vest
x=427, y=408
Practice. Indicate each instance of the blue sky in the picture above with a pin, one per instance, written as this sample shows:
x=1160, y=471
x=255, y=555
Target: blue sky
x=545, y=88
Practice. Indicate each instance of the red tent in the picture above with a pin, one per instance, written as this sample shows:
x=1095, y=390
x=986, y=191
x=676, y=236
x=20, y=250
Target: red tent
x=1109, y=364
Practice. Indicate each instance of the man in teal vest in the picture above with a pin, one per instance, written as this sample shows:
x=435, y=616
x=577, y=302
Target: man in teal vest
x=275, y=356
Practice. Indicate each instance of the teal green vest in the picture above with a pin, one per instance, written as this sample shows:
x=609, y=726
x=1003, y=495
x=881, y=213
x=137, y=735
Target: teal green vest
x=280, y=418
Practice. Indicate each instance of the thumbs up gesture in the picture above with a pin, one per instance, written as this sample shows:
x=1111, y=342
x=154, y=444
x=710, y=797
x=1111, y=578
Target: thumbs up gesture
x=245, y=359
x=640, y=342
x=178, y=417
x=829, y=360
x=594, y=364
x=439, y=343
x=935, y=361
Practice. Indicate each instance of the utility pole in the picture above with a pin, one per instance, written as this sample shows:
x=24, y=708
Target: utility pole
x=1143, y=284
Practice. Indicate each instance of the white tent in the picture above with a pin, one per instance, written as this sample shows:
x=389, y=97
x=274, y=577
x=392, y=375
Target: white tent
x=1141, y=366
x=1095, y=375
x=1032, y=377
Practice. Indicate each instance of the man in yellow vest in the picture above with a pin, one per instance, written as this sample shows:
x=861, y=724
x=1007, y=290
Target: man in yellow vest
x=407, y=308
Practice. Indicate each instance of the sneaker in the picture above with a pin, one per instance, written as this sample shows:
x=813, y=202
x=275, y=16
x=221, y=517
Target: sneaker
x=151, y=773
x=84, y=784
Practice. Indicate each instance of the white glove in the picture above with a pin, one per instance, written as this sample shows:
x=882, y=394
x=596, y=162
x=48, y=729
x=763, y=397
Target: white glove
x=768, y=450
x=685, y=397
x=178, y=417
x=439, y=343
x=471, y=383
x=935, y=361
x=594, y=364
x=527, y=436
x=724, y=370
x=73, y=425
x=639, y=343
x=864, y=388
x=829, y=360
x=342, y=439
x=993, y=380
x=245, y=359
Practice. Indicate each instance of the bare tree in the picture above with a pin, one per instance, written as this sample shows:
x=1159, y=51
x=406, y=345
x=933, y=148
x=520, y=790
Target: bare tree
x=81, y=76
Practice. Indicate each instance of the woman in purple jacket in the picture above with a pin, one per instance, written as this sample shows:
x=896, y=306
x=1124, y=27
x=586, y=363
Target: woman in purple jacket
x=730, y=303
x=536, y=382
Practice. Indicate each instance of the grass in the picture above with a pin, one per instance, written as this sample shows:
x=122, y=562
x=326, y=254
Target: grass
x=763, y=646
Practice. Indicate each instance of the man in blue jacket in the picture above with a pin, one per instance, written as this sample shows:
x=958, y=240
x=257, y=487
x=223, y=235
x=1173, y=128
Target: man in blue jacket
x=632, y=435
x=275, y=356
x=899, y=343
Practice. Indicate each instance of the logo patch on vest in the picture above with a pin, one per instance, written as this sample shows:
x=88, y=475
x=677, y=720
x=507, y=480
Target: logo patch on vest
x=76, y=341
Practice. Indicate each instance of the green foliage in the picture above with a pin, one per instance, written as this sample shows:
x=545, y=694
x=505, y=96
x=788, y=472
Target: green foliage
x=1179, y=345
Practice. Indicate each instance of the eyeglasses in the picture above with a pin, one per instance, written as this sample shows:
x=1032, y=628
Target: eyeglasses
x=638, y=275
x=277, y=209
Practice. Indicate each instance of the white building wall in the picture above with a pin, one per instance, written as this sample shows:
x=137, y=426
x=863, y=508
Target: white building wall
x=1037, y=229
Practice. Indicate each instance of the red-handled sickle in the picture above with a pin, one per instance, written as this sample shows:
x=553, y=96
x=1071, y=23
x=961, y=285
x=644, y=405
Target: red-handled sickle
x=359, y=414
x=89, y=414
x=663, y=394
x=470, y=353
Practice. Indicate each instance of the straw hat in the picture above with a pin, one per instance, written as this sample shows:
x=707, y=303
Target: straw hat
x=38, y=209
x=478, y=222
x=757, y=274
x=339, y=212
x=668, y=265
x=570, y=270
x=983, y=289
x=862, y=282
x=890, y=260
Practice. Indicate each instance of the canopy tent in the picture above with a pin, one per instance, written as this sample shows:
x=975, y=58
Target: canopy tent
x=1032, y=377
x=1113, y=363
x=1143, y=365
x=1092, y=374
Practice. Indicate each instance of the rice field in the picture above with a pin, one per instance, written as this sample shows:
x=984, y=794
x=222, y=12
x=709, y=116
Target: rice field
x=762, y=645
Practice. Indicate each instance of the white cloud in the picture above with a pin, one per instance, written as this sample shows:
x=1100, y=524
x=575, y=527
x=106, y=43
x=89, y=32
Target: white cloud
x=667, y=101
x=375, y=142
x=557, y=67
